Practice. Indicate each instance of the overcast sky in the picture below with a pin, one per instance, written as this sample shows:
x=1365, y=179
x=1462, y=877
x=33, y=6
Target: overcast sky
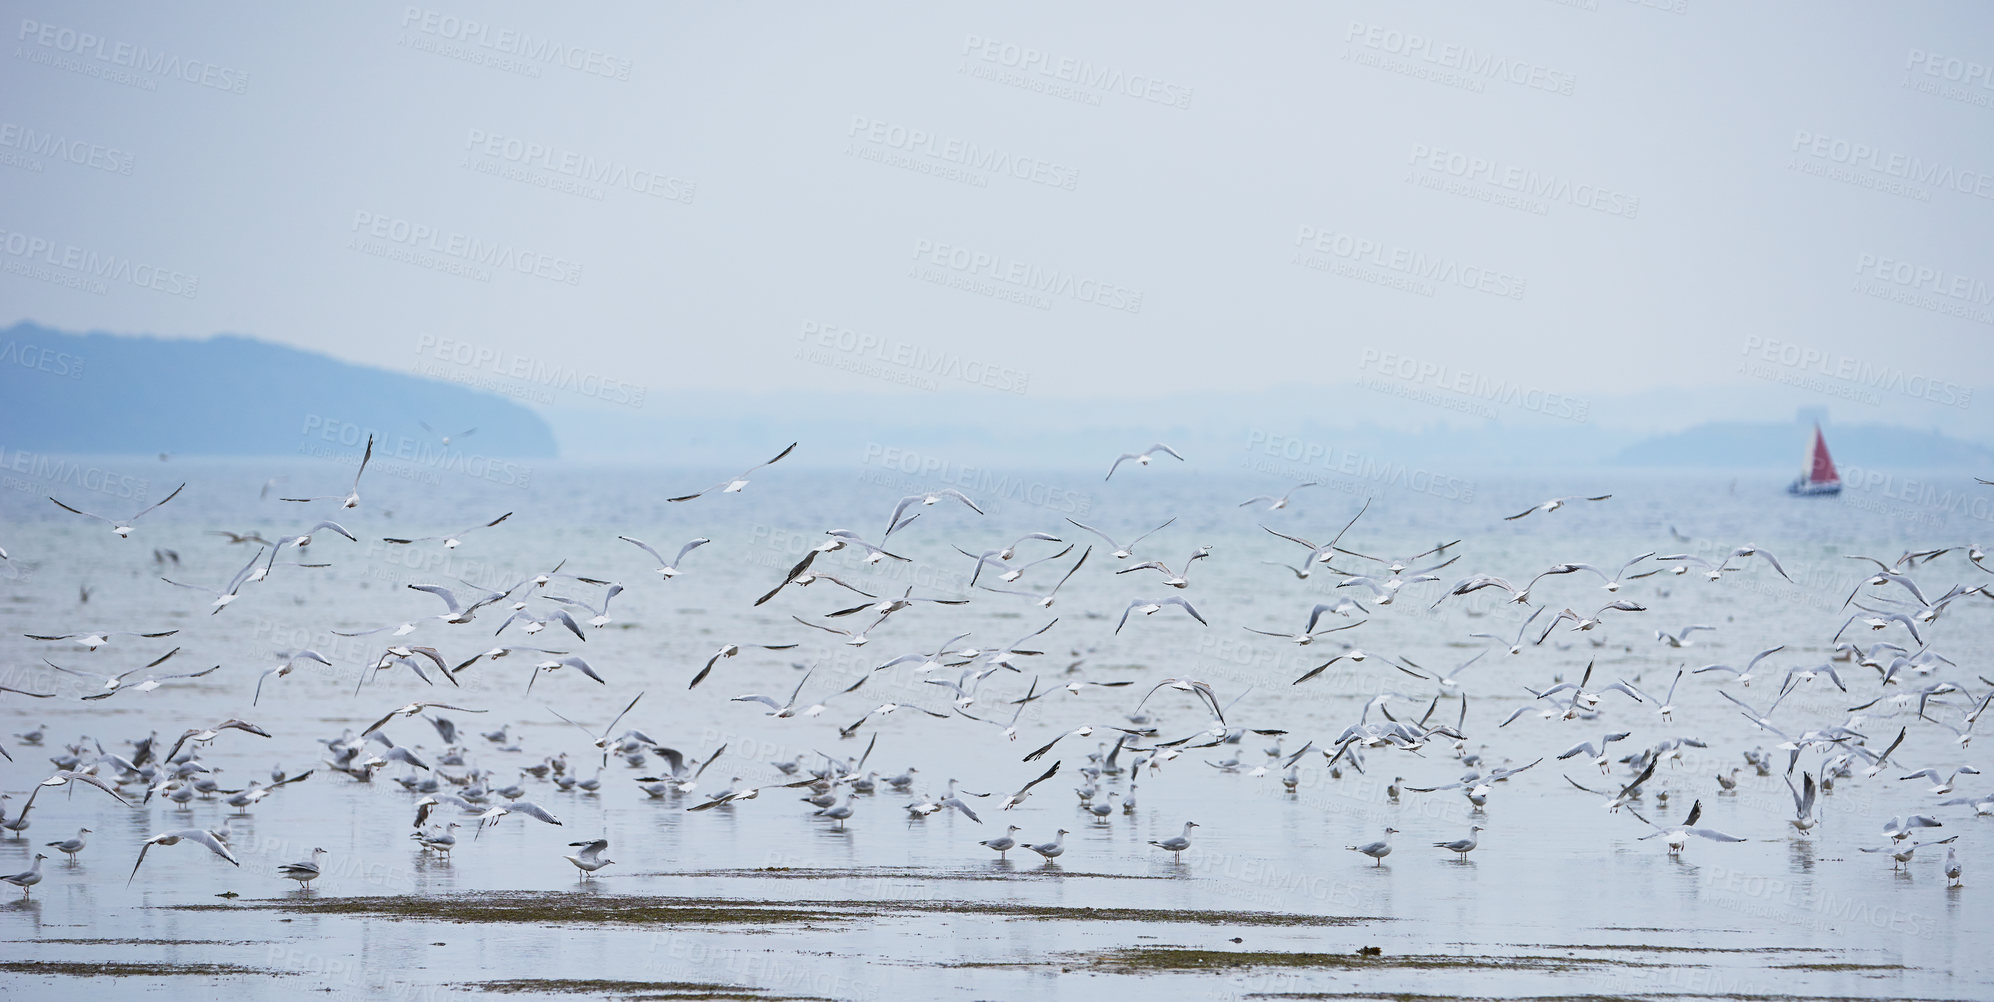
x=1584, y=197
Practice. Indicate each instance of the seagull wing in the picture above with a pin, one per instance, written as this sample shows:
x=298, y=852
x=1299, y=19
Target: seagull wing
x=161, y=501
x=449, y=599
x=683, y=550
x=80, y=511
x=646, y=547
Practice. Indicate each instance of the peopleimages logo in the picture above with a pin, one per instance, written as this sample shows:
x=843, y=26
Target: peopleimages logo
x=527, y=369
x=1476, y=386
x=49, y=360
x=1028, y=278
x=581, y=168
x=1469, y=62
x=467, y=251
x=1946, y=495
x=916, y=360
x=961, y=153
x=1856, y=372
x=1299, y=457
x=49, y=472
x=1413, y=264
x=55, y=146
x=1863, y=156
x=516, y=44
x=84, y=264
x=1523, y=181
x=85, y=45
x=1078, y=73
x=414, y=451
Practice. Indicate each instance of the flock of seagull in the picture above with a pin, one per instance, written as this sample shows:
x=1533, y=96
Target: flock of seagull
x=1897, y=681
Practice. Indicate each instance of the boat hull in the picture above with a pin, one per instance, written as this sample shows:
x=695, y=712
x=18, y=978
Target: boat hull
x=1804, y=488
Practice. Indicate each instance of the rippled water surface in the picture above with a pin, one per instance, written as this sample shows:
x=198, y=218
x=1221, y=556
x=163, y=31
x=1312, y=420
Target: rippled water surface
x=760, y=899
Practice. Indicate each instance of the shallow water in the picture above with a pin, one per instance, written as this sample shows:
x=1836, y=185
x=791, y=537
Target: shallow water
x=1561, y=899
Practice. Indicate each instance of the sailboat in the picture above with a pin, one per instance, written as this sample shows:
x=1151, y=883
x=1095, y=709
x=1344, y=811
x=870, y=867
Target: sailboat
x=1818, y=476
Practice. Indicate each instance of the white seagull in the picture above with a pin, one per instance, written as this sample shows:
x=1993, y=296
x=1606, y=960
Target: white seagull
x=452, y=540
x=667, y=569
x=123, y=527
x=1151, y=606
x=1274, y=503
x=352, y=497
x=1553, y=505
x=1142, y=458
x=733, y=485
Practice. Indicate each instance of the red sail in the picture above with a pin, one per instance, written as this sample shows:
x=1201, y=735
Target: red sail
x=1821, y=469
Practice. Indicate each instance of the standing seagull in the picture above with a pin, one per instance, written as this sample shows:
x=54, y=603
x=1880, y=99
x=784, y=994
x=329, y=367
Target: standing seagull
x=123, y=527
x=71, y=846
x=352, y=498
x=590, y=858
x=1463, y=846
x=1377, y=850
x=30, y=878
x=1176, y=844
x=1050, y=850
x=733, y=485
x=1003, y=843
x=304, y=873
x=1142, y=458
x=842, y=810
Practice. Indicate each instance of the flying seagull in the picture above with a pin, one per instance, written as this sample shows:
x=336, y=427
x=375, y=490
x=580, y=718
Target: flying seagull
x=123, y=527
x=196, y=835
x=1142, y=458
x=466, y=433
x=1277, y=503
x=452, y=540
x=1553, y=505
x=1151, y=606
x=226, y=595
x=733, y=485
x=411, y=710
x=667, y=569
x=894, y=521
x=352, y=498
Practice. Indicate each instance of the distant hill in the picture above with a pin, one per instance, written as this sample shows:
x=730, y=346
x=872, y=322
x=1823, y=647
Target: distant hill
x=230, y=395
x=1774, y=444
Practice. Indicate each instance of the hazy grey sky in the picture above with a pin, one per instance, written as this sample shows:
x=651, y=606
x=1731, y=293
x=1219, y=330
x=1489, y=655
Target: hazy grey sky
x=1580, y=197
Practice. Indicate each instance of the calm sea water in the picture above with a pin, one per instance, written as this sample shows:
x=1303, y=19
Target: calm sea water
x=1556, y=875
